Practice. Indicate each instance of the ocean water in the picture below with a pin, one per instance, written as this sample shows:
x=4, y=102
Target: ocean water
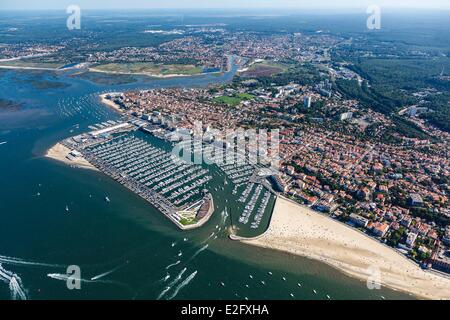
x=125, y=248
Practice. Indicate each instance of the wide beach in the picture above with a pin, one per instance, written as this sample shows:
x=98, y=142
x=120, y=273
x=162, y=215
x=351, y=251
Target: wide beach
x=299, y=230
x=60, y=152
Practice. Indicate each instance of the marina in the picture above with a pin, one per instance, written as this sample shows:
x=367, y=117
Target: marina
x=175, y=187
x=181, y=190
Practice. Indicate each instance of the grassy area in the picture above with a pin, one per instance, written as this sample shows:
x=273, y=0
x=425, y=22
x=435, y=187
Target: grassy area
x=305, y=74
x=186, y=221
x=150, y=68
x=265, y=68
x=273, y=64
x=233, y=100
x=24, y=63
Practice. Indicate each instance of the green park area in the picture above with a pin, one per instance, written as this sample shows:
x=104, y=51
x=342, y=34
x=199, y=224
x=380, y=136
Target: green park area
x=234, y=99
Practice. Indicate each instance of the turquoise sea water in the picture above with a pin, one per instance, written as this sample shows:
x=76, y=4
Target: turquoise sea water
x=126, y=243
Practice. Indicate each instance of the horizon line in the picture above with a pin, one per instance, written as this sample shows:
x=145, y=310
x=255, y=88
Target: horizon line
x=233, y=8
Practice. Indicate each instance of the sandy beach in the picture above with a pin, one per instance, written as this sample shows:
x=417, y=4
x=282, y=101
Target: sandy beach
x=109, y=103
x=299, y=230
x=148, y=74
x=27, y=68
x=60, y=152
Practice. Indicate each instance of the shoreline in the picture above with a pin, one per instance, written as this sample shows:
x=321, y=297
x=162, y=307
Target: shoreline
x=59, y=153
x=28, y=68
x=152, y=75
x=301, y=231
x=110, y=103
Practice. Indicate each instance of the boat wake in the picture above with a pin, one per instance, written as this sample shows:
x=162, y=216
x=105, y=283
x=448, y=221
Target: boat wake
x=173, y=264
x=13, y=280
x=21, y=262
x=183, y=284
x=198, y=252
x=166, y=289
x=107, y=272
x=207, y=239
x=167, y=277
x=15, y=284
x=66, y=277
x=224, y=215
x=16, y=288
x=171, y=284
x=178, y=277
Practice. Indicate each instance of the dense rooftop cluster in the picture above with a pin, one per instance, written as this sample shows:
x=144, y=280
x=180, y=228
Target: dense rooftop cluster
x=398, y=191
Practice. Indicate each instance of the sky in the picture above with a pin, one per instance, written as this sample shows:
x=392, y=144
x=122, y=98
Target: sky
x=185, y=4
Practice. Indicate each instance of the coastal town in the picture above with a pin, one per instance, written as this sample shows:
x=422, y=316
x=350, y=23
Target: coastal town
x=327, y=145
x=382, y=189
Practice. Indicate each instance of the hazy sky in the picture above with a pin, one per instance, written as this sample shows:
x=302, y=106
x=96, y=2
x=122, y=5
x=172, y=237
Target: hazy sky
x=137, y=4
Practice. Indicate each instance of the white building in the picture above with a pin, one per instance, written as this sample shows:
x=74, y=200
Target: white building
x=411, y=239
x=307, y=102
x=346, y=116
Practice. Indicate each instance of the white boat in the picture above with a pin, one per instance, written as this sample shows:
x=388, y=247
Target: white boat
x=67, y=208
x=107, y=199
